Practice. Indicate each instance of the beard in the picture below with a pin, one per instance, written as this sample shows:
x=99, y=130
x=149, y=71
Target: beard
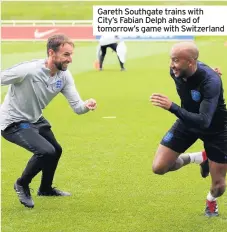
x=60, y=66
x=181, y=74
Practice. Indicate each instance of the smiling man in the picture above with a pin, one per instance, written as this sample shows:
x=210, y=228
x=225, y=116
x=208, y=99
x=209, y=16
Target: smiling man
x=33, y=85
x=202, y=115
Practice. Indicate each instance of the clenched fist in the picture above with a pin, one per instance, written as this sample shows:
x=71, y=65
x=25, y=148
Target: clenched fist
x=91, y=104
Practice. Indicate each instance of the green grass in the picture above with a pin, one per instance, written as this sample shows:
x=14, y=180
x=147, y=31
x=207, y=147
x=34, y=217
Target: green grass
x=78, y=10
x=106, y=163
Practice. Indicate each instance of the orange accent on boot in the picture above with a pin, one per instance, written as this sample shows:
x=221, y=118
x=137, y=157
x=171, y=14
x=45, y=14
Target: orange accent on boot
x=204, y=154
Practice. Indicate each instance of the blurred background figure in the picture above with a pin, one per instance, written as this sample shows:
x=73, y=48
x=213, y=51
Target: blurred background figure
x=116, y=44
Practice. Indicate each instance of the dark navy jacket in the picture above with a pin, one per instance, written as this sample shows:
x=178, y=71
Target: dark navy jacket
x=203, y=107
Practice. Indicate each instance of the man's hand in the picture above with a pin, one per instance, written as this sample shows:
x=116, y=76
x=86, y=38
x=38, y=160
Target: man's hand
x=160, y=100
x=91, y=104
x=218, y=71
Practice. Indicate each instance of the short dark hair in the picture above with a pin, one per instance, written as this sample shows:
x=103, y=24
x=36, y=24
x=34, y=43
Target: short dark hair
x=56, y=41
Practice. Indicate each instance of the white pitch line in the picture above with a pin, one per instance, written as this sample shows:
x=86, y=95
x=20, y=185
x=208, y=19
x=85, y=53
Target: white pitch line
x=109, y=117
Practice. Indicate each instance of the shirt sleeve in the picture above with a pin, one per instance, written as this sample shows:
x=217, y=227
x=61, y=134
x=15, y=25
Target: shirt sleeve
x=207, y=108
x=13, y=75
x=73, y=97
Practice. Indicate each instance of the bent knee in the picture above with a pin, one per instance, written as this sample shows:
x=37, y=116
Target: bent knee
x=159, y=170
x=50, y=151
x=54, y=151
x=164, y=160
x=47, y=151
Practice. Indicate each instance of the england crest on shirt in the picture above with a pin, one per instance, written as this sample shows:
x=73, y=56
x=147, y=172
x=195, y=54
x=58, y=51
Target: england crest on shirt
x=57, y=86
x=196, y=95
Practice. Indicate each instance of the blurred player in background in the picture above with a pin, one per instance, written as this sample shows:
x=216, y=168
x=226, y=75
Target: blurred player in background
x=32, y=86
x=202, y=115
x=111, y=41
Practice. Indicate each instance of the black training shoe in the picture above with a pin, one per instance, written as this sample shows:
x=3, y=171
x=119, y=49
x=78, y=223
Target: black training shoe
x=211, y=209
x=53, y=192
x=204, y=168
x=123, y=69
x=24, y=195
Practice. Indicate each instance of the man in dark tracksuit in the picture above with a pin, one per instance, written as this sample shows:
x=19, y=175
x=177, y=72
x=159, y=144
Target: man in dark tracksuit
x=202, y=115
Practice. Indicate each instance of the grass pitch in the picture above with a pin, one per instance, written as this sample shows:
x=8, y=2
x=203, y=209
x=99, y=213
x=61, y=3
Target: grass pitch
x=106, y=163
